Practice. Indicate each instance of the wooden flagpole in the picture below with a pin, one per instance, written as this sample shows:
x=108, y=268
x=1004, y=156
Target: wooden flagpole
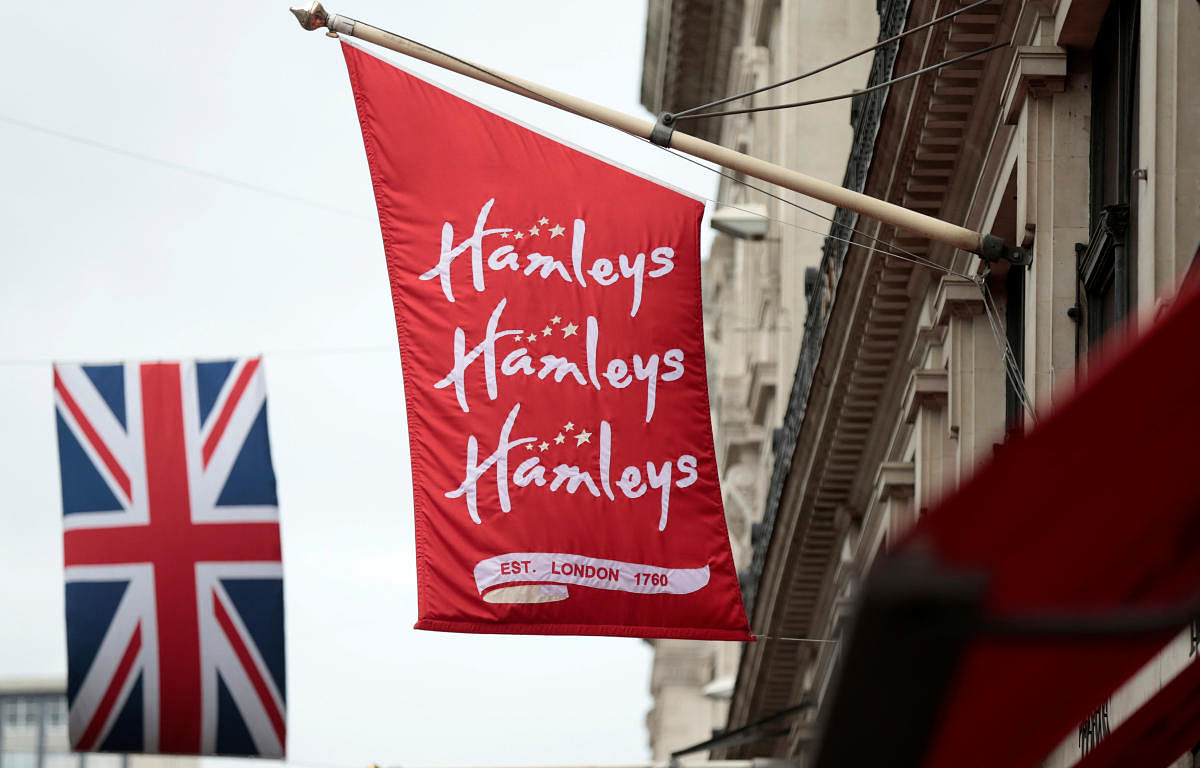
x=991, y=248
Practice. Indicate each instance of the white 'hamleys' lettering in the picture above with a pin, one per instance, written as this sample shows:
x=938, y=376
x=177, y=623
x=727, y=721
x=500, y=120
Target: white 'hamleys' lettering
x=572, y=478
x=602, y=270
x=618, y=373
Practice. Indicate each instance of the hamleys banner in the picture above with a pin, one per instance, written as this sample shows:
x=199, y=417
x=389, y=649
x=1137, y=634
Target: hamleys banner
x=549, y=317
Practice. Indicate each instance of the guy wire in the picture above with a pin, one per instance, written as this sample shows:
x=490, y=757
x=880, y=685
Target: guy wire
x=912, y=257
x=843, y=60
x=852, y=94
x=1012, y=368
x=797, y=639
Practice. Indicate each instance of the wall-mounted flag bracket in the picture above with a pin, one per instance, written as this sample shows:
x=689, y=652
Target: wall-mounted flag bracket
x=993, y=249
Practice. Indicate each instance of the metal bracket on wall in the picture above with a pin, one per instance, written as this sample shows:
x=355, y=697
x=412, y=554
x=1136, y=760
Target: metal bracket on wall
x=993, y=249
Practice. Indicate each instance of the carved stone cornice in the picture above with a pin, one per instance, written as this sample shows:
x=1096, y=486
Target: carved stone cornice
x=926, y=387
x=956, y=298
x=1037, y=70
x=927, y=337
x=895, y=480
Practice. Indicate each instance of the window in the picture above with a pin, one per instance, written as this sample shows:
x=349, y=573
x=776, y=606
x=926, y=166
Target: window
x=1106, y=261
x=14, y=711
x=1103, y=274
x=56, y=710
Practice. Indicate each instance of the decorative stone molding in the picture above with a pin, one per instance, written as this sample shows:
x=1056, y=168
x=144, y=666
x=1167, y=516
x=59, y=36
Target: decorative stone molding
x=1037, y=70
x=926, y=387
x=680, y=665
x=895, y=480
x=956, y=298
x=928, y=337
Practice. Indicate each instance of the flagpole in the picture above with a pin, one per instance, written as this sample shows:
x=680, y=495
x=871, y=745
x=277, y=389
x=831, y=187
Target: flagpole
x=989, y=247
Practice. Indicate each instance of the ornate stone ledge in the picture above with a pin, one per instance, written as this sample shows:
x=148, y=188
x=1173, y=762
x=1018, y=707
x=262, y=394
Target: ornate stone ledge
x=927, y=387
x=956, y=298
x=895, y=480
x=1037, y=70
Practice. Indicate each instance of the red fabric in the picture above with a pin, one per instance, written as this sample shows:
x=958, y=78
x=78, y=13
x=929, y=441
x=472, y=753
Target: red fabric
x=553, y=541
x=1098, y=508
x=1162, y=729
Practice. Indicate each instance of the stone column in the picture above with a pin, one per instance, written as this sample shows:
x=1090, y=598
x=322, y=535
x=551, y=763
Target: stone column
x=975, y=373
x=894, y=489
x=925, y=408
x=1053, y=189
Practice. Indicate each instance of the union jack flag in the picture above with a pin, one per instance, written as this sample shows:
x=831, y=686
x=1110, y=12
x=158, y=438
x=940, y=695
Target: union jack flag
x=174, y=584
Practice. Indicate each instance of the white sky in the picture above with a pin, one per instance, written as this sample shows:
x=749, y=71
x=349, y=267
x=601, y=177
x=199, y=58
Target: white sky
x=106, y=257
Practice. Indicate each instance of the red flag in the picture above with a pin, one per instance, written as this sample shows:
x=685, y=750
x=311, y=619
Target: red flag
x=549, y=318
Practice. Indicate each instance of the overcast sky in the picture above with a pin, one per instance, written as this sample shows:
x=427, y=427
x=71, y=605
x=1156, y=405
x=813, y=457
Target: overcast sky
x=256, y=233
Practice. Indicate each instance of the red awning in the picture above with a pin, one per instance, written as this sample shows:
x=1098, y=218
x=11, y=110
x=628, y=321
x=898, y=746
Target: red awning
x=1014, y=609
x=1097, y=510
x=1165, y=727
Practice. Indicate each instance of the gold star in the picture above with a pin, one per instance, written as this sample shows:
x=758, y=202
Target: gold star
x=543, y=221
x=544, y=446
x=519, y=234
x=531, y=338
x=503, y=234
x=569, y=329
x=569, y=426
x=559, y=439
x=529, y=446
x=583, y=437
x=556, y=231
x=534, y=230
x=555, y=320
x=547, y=331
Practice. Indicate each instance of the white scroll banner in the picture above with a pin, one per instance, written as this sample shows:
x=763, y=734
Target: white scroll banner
x=549, y=568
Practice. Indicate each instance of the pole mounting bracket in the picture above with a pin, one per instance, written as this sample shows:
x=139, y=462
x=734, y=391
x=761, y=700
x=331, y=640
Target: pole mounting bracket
x=664, y=127
x=993, y=249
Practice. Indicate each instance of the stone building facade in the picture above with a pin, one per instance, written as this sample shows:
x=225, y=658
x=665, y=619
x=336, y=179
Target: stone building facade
x=34, y=732
x=1077, y=139
x=754, y=277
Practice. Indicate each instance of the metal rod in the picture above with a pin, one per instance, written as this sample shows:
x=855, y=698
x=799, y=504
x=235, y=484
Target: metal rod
x=313, y=16
x=748, y=731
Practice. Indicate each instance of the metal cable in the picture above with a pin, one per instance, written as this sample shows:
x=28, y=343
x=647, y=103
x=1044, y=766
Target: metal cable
x=797, y=639
x=1012, y=368
x=831, y=65
x=852, y=94
x=179, y=167
x=292, y=352
x=918, y=260
x=914, y=258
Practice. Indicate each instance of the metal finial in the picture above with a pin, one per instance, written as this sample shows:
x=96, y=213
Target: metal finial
x=312, y=16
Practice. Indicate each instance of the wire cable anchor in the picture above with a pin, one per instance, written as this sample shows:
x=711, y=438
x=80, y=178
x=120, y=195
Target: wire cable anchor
x=664, y=128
